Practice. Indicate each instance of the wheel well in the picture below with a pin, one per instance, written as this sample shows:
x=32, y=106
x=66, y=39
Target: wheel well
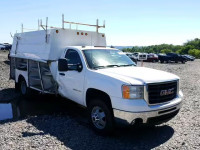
x=94, y=93
x=20, y=78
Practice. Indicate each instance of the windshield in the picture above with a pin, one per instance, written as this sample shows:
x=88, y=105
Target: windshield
x=99, y=58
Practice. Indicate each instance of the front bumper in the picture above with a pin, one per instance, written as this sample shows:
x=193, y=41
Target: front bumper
x=156, y=116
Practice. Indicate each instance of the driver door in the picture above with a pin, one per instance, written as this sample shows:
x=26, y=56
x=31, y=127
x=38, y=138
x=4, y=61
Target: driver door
x=71, y=82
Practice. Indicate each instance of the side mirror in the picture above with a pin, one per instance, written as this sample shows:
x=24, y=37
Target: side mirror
x=79, y=67
x=62, y=65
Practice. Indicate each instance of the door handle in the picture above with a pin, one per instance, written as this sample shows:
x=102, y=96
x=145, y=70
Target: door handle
x=62, y=74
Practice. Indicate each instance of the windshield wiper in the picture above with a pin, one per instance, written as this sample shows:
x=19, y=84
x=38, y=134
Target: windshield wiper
x=126, y=65
x=99, y=67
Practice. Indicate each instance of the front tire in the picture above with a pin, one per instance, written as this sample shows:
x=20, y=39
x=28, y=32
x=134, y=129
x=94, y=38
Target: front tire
x=101, y=117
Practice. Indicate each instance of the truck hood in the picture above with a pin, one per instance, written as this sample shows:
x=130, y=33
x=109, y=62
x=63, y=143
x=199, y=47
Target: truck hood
x=138, y=75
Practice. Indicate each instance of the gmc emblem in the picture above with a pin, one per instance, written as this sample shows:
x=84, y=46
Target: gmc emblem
x=167, y=92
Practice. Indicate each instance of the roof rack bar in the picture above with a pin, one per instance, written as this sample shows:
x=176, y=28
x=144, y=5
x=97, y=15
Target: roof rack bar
x=50, y=27
x=38, y=24
x=22, y=28
x=63, y=24
x=45, y=27
x=97, y=25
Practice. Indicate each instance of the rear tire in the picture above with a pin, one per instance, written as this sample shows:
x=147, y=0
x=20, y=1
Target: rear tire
x=17, y=89
x=101, y=117
x=24, y=90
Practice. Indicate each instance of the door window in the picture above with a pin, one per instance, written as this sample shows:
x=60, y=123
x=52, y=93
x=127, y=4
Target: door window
x=73, y=59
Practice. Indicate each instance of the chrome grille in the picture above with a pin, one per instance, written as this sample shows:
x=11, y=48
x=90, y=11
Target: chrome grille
x=162, y=92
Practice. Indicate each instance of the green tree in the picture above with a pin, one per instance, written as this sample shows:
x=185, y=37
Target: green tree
x=194, y=52
x=166, y=51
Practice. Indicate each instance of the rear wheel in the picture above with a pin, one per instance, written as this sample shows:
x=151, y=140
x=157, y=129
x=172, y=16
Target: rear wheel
x=24, y=90
x=101, y=117
x=17, y=88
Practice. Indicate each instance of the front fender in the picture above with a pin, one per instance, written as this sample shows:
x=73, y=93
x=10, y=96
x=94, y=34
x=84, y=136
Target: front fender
x=107, y=84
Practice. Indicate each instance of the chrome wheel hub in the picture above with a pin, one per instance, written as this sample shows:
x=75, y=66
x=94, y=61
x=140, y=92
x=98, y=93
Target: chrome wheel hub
x=98, y=117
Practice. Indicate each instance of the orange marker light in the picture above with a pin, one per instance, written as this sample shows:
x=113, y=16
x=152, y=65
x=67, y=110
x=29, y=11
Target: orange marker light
x=57, y=31
x=102, y=35
x=77, y=33
x=126, y=92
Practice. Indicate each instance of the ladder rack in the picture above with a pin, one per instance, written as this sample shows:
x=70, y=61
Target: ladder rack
x=45, y=27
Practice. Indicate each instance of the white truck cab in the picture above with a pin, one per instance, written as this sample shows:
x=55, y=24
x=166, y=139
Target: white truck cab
x=78, y=66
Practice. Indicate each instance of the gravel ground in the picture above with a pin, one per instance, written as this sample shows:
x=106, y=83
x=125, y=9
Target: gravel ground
x=63, y=125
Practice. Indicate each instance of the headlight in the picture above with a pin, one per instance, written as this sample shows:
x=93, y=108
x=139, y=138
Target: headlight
x=133, y=92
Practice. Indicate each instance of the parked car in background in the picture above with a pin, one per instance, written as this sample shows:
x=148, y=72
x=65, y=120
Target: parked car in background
x=132, y=57
x=136, y=54
x=171, y=57
x=2, y=47
x=152, y=58
x=189, y=58
x=7, y=46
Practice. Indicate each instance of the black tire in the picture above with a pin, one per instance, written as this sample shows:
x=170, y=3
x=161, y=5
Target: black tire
x=108, y=128
x=17, y=87
x=24, y=90
x=161, y=61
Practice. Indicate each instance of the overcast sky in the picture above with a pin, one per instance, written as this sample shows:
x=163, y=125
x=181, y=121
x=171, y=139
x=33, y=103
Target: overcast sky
x=128, y=22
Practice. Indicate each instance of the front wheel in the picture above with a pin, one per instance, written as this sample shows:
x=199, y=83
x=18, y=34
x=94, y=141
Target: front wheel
x=101, y=117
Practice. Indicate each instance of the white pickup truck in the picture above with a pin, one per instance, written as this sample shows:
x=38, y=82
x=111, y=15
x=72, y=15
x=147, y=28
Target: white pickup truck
x=104, y=80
